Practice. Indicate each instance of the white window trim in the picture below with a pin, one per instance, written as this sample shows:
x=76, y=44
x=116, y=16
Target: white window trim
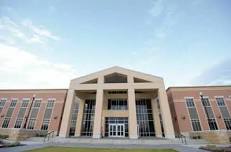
x=190, y=116
x=218, y=127
x=51, y=99
x=221, y=113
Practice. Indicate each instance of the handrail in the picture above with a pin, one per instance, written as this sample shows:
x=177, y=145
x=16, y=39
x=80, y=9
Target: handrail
x=48, y=135
x=182, y=138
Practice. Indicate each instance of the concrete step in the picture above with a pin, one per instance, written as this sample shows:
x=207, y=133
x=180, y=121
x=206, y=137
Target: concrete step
x=154, y=141
x=116, y=141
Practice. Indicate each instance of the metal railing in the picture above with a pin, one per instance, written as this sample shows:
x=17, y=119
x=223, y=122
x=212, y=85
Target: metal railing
x=182, y=138
x=49, y=135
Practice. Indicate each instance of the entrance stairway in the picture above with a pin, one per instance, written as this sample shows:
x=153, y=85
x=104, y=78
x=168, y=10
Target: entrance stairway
x=118, y=141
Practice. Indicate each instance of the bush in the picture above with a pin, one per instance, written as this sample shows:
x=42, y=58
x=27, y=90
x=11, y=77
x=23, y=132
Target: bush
x=14, y=144
x=3, y=136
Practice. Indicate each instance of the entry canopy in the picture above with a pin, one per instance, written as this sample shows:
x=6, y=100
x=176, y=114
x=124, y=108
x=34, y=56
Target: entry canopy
x=116, y=74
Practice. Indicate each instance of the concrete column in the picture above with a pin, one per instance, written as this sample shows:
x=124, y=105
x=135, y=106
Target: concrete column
x=166, y=115
x=155, y=112
x=65, y=124
x=79, y=118
x=98, y=114
x=132, y=121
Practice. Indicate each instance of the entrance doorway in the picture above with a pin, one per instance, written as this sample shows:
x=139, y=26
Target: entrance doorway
x=116, y=130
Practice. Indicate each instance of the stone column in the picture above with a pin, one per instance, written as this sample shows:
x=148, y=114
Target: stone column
x=98, y=114
x=132, y=121
x=79, y=118
x=166, y=115
x=155, y=112
x=65, y=124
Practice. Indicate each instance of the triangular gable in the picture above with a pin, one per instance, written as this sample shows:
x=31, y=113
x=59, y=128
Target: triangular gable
x=120, y=70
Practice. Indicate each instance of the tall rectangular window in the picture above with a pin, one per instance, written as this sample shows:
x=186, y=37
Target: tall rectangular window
x=88, y=117
x=193, y=114
x=47, y=115
x=209, y=113
x=144, y=117
x=2, y=103
x=224, y=112
x=33, y=114
x=9, y=113
x=21, y=113
x=74, y=115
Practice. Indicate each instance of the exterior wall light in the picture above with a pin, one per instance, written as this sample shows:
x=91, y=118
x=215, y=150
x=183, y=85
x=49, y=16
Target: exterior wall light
x=183, y=117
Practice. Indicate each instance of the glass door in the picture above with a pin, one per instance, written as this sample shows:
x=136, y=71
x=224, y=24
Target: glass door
x=116, y=130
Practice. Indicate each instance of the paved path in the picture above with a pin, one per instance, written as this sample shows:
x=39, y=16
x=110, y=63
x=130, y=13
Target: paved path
x=33, y=145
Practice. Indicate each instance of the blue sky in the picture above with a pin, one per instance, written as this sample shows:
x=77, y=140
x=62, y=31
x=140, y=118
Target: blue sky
x=45, y=43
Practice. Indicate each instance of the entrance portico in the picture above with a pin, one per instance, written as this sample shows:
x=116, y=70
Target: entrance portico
x=117, y=102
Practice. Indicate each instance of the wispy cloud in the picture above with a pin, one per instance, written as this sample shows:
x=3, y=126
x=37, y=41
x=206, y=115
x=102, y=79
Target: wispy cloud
x=21, y=69
x=217, y=75
x=39, y=31
x=25, y=31
x=157, y=8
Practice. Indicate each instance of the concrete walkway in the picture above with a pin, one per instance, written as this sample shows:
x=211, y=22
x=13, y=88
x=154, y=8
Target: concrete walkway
x=34, y=145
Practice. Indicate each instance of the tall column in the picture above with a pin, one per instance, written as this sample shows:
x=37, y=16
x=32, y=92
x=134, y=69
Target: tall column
x=132, y=121
x=155, y=112
x=79, y=118
x=65, y=125
x=166, y=115
x=98, y=114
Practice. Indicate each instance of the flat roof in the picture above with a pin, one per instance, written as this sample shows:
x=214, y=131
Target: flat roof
x=31, y=89
x=204, y=86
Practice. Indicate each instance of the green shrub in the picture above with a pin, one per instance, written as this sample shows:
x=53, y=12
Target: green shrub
x=3, y=136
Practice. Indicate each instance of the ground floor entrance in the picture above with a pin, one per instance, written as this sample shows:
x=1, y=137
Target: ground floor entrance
x=116, y=130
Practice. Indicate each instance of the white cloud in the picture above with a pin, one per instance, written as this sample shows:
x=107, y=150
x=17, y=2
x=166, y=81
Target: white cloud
x=39, y=30
x=21, y=69
x=157, y=8
x=219, y=74
x=26, y=32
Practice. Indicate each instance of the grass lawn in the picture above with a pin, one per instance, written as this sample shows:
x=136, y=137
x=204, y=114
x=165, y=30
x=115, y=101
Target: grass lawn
x=72, y=149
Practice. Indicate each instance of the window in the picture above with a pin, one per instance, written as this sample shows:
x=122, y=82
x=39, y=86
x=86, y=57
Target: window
x=209, y=113
x=115, y=78
x=34, y=113
x=2, y=103
x=117, y=104
x=74, y=115
x=31, y=124
x=193, y=114
x=5, y=123
x=220, y=101
x=88, y=117
x=9, y=113
x=13, y=103
x=18, y=123
x=47, y=115
x=21, y=113
x=224, y=112
x=45, y=124
x=227, y=123
x=144, y=117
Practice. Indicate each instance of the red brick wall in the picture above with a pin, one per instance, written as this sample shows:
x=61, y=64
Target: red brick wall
x=58, y=94
x=177, y=96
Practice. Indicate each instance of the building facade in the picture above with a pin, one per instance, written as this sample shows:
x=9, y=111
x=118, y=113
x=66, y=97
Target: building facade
x=117, y=102
x=201, y=111
x=36, y=109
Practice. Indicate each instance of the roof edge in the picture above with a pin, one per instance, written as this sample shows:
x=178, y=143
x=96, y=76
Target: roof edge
x=202, y=86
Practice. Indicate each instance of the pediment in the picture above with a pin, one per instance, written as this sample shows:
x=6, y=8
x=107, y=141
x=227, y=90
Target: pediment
x=115, y=73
